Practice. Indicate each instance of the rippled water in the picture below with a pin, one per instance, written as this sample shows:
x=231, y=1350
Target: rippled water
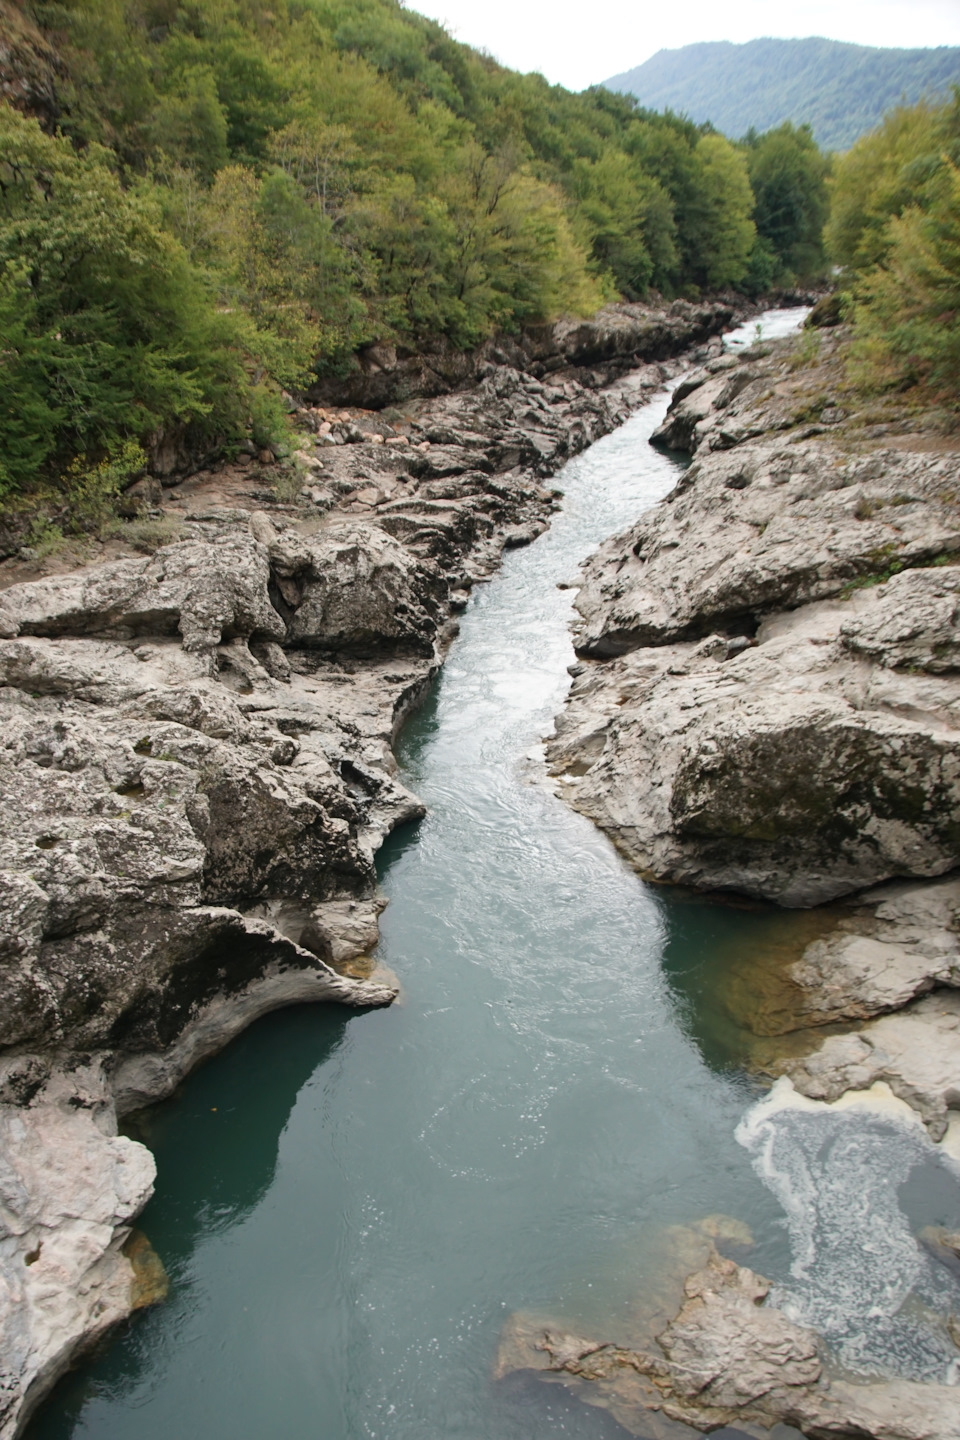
x=349, y=1207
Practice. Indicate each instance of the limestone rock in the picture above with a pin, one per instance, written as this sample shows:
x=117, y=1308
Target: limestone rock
x=769, y=527
x=778, y=705
x=728, y=1358
x=918, y=626
x=614, y=341
x=902, y=941
x=69, y=1188
x=342, y=930
x=784, y=769
x=915, y=1051
x=205, y=593
x=363, y=592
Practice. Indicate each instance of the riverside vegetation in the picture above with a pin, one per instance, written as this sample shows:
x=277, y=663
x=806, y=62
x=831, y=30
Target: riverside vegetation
x=197, y=752
x=205, y=204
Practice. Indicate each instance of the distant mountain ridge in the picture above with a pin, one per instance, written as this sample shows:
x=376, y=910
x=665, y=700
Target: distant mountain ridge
x=840, y=90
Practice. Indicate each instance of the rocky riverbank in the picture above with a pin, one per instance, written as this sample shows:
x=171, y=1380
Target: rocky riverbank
x=766, y=703
x=196, y=773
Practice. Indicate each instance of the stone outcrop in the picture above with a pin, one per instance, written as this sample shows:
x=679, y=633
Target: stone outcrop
x=916, y=1052
x=615, y=340
x=69, y=1188
x=896, y=943
x=797, y=767
x=727, y=1358
x=33, y=76
x=196, y=773
x=775, y=706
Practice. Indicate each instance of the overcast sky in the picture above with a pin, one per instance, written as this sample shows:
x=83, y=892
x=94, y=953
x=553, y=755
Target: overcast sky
x=579, y=42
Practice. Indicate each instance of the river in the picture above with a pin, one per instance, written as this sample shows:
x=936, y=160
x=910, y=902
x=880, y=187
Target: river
x=350, y=1206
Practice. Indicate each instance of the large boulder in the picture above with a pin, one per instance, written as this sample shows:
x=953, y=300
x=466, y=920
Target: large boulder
x=727, y=1358
x=355, y=589
x=765, y=528
x=793, y=768
x=205, y=592
x=124, y=832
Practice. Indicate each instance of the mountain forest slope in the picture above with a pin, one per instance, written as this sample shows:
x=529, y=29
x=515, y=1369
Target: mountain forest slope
x=204, y=202
x=839, y=90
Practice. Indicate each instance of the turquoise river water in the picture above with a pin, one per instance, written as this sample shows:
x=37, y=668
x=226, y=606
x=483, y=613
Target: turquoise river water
x=349, y=1206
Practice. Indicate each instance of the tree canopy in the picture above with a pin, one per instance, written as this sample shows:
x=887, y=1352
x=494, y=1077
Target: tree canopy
x=894, y=227
x=241, y=196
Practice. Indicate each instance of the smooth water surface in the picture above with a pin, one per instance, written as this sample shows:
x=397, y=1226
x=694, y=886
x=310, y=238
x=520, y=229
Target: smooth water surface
x=350, y=1207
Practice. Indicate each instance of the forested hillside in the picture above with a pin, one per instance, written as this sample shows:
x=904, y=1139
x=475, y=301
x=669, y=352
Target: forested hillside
x=894, y=228
x=204, y=201
x=839, y=90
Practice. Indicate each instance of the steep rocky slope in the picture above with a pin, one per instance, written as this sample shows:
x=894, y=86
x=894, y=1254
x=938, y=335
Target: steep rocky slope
x=196, y=773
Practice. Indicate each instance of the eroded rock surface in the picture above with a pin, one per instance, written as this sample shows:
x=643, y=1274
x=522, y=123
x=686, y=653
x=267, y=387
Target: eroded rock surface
x=916, y=1052
x=614, y=341
x=727, y=1358
x=768, y=696
x=899, y=942
x=69, y=1188
x=794, y=768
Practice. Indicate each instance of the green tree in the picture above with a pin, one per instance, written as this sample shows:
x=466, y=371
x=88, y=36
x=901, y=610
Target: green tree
x=188, y=127
x=717, y=231
x=107, y=330
x=908, y=306
x=884, y=174
x=626, y=217
x=788, y=175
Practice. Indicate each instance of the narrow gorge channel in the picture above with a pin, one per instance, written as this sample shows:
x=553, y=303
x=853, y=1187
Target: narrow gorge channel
x=349, y=1209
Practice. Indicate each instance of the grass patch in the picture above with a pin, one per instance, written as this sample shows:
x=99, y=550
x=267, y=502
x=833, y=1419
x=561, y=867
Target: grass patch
x=147, y=533
x=893, y=567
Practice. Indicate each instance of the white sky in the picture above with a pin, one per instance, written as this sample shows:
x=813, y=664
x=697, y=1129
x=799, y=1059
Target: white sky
x=580, y=42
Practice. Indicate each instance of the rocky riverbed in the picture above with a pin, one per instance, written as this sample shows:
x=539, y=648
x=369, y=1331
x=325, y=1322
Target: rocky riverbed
x=197, y=770
x=766, y=704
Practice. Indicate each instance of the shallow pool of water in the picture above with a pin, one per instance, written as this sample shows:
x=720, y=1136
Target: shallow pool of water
x=350, y=1206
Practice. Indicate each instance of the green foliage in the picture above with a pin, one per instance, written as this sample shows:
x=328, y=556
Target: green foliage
x=105, y=327
x=885, y=173
x=908, y=310
x=788, y=176
x=92, y=490
x=718, y=234
x=896, y=227
x=242, y=196
x=269, y=425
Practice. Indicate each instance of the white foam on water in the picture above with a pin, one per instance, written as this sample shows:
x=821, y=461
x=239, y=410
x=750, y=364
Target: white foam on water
x=859, y=1277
